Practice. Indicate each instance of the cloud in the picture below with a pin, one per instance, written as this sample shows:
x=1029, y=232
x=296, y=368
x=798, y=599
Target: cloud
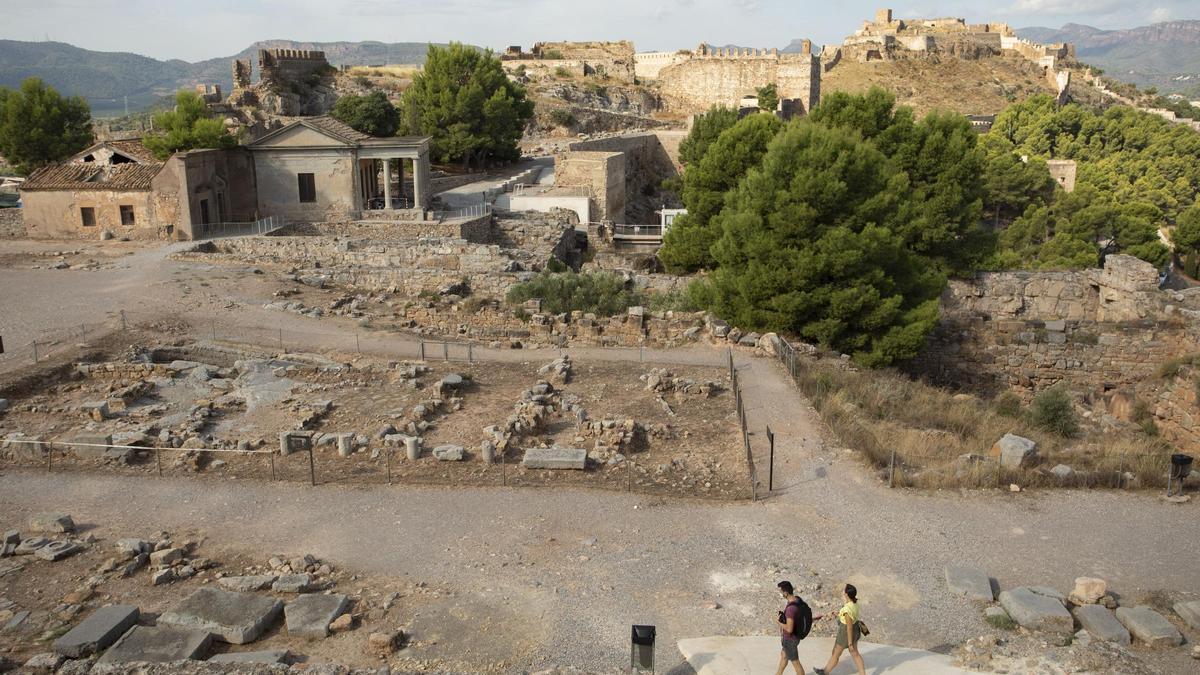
x=1160, y=14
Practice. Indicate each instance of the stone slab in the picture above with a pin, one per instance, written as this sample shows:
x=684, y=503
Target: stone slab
x=54, y=523
x=310, y=615
x=1189, y=612
x=246, y=584
x=100, y=629
x=1149, y=627
x=158, y=644
x=30, y=545
x=1037, y=612
x=555, y=458
x=57, y=550
x=266, y=656
x=1102, y=624
x=236, y=618
x=88, y=449
x=449, y=453
x=971, y=582
x=760, y=654
x=292, y=583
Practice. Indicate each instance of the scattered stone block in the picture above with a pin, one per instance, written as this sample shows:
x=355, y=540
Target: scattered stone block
x=555, y=458
x=57, y=550
x=295, y=441
x=1102, y=624
x=292, y=583
x=158, y=644
x=1015, y=452
x=1088, y=591
x=970, y=582
x=265, y=656
x=453, y=382
x=1062, y=472
x=1037, y=612
x=139, y=561
x=383, y=644
x=310, y=615
x=247, y=584
x=97, y=631
x=56, y=523
x=46, y=662
x=449, y=453
x=30, y=545
x=1149, y=627
x=164, y=576
x=236, y=618
x=132, y=547
x=91, y=446
x=97, y=410
x=1189, y=612
x=343, y=623
x=166, y=556
x=1049, y=593
x=344, y=444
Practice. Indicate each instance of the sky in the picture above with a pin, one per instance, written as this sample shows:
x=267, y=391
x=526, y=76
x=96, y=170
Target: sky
x=199, y=29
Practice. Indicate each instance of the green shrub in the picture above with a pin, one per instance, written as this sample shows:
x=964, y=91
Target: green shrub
x=552, y=54
x=671, y=301
x=1002, y=621
x=601, y=293
x=562, y=117
x=1143, y=416
x=1008, y=404
x=562, y=72
x=1052, y=411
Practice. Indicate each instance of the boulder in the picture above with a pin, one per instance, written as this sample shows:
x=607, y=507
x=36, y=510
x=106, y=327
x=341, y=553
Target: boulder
x=166, y=556
x=1149, y=627
x=236, y=618
x=310, y=615
x=449, y=453
x=770, y=344
x=1102, y=624
x=970, y=582
x=1037, y=612
x=1015, y=452
x=1062, y=472
x=1189, y=612
x=56, y=523
x=131, y=547
x=46, y=662
x=383, y=644
x=95, y=633
x=1088, y=591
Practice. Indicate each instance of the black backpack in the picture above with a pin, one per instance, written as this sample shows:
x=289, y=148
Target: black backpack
x=802, y=624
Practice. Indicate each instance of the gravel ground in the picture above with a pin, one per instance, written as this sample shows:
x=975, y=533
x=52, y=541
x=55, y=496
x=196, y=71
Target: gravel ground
x=530, y=554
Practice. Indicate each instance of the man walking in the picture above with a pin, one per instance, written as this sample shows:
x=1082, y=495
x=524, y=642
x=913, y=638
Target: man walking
x=794, y=622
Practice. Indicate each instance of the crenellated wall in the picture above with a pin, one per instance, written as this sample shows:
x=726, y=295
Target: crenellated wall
x=718, y=76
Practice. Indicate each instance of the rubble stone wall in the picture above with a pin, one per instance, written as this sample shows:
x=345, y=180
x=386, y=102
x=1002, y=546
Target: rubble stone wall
x=12, y=224
x=724, y=78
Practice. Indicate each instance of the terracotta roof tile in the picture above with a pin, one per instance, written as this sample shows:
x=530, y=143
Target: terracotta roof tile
x=337, y=128
x=86, y=177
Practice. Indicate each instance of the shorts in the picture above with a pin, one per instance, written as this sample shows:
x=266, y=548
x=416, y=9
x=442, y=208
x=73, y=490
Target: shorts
x=791, y=648
x=842, y=639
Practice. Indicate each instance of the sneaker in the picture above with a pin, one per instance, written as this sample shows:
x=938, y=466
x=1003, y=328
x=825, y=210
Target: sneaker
x=819, y=671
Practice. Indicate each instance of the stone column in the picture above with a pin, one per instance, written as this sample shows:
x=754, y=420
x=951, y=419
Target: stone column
x=400, y=178
x=420, y=175
x=387, y=184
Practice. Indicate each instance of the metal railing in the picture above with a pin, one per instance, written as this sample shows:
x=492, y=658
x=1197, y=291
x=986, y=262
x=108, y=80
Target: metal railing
x=740, y=406
x=637, y=230
x=259, y=227
x=473, y=211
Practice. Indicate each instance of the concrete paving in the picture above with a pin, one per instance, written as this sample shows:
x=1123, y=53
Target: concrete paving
x=760, y=654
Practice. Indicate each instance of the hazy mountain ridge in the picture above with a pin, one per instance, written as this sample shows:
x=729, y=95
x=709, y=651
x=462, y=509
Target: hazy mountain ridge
x=1165, y=55
x=106, y=78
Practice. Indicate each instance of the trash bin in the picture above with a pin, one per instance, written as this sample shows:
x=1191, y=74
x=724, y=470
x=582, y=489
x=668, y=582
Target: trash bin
x=1181, y=466
x=641, y=650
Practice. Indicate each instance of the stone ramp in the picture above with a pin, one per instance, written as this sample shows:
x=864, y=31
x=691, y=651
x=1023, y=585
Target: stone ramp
x=760, y=654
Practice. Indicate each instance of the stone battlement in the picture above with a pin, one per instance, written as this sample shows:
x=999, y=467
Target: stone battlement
x=265, y=55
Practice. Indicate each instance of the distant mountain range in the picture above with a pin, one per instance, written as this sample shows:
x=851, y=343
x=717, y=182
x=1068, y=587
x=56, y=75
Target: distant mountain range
x=1165, y=55
x=105, y=79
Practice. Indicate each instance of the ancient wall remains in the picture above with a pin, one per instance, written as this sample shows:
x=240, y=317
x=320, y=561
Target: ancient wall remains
x=723, y=76
x=12, y=224
x=611, y=59
x=282, y=66
x=1063, y=172
x=647, y=65
x=602, y=174
x=1096, y=330
x=649, y=159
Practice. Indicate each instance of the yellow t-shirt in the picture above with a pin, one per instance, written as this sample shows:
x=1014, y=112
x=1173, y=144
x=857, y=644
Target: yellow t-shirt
x=848, y=614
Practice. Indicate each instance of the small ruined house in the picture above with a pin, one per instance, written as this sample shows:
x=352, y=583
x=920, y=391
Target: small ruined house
x=119, y=189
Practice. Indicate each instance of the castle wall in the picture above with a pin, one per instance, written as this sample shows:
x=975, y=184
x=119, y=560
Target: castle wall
x=723, y=78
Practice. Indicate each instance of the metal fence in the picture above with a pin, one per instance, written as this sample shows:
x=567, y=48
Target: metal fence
x=473, y=211
x=259, y=227
x=740, y=407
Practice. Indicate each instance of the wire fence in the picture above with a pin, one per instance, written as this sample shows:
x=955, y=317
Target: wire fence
x=260, y=227
x=1112, y=469
x=740, y=406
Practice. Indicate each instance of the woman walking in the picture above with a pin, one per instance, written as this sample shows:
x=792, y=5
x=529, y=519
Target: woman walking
x=847, y=635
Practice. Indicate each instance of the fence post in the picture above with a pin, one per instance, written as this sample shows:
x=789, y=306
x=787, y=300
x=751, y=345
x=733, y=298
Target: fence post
x=388, y=461
x=214, y=330
x=35, y=356
x=771, y=466
x=503, y=476
x=641, y=354
x=82, y=330
x=892, y=470
x=312, y=469
x=271, y=456
x=628, y=475
x=158, y=460
x=124, y=326
x=470, y=352
x=281, y=339
x=1121, y=471
x=49, y=458
x=445, y=350
x=357, y=342
x=422, y=342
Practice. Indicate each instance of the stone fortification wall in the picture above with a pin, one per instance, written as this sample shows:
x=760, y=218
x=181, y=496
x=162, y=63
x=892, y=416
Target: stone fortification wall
x=290, y=65
x=474, y=230
x=601, y=174
x=647, y=65
x=649, y=158
x=723, y=77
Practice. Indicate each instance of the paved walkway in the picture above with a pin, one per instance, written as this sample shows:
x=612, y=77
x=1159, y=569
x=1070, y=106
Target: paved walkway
x=759, y=655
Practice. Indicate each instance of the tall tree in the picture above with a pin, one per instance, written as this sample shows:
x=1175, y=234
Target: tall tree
x=189, y=126
x=464, y=100
x=371, y=114
x=705, y=184
x=768, y=98
x=809, y=245
x=38, y=126
x=705, y=129
x=1186, y=238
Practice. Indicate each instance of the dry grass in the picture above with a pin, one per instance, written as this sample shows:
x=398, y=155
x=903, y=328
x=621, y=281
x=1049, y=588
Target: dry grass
x=941, y=440
x=401, y=71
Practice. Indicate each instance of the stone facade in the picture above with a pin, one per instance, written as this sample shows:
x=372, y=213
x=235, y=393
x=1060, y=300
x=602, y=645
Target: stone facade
x=612, y=59
x=715, y=76
x=649, y=158
x=602, y=174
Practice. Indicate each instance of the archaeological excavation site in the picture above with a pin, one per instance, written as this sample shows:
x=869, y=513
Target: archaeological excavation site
x=560, y=358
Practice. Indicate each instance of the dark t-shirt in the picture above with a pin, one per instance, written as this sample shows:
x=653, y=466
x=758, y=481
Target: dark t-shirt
x=791, y=612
